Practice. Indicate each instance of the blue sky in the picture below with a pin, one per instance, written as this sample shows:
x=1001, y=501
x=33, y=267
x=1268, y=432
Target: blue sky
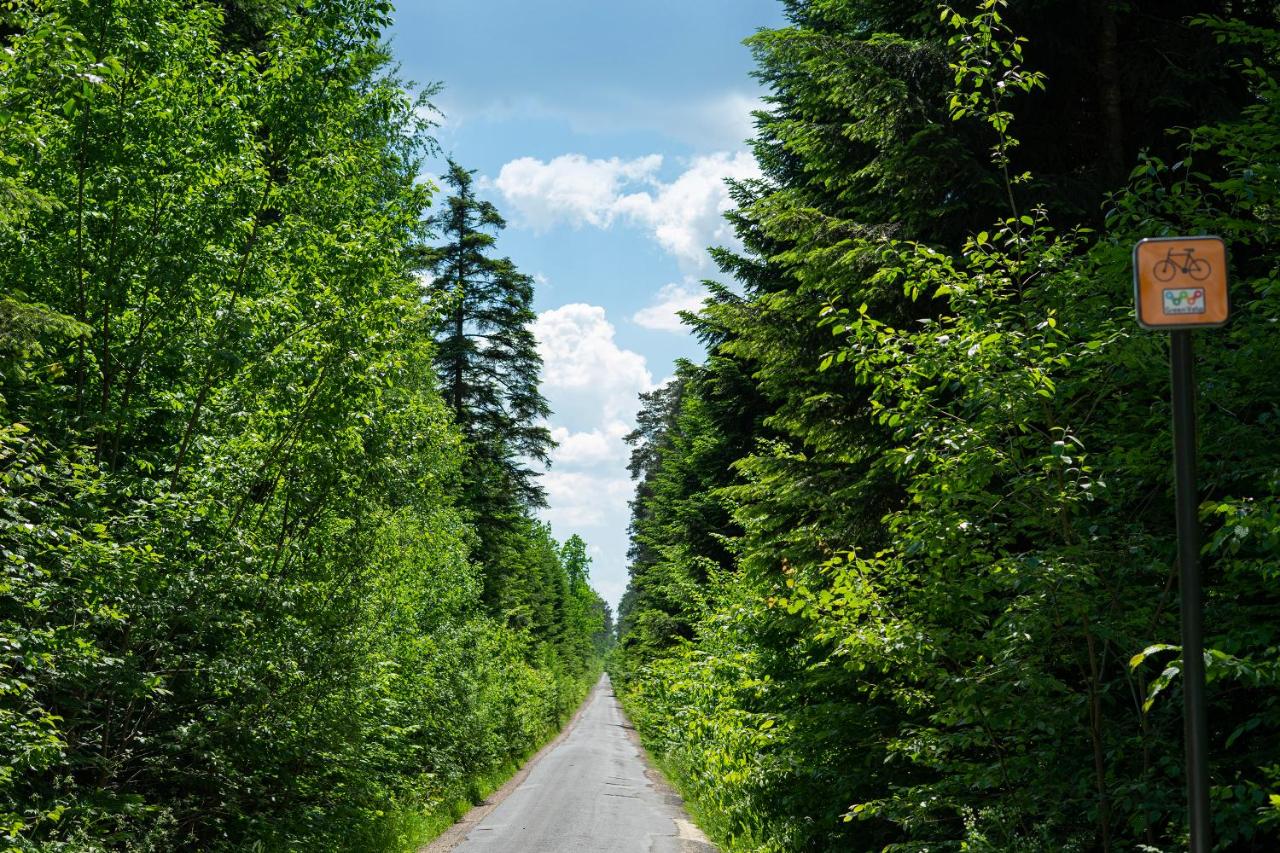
x=603, y=130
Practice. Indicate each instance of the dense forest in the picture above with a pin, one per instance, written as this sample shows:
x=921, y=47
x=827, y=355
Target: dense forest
x=902, y=572
x=271, y=575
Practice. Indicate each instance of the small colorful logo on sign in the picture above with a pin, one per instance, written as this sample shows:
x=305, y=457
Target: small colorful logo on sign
x=1184, y=300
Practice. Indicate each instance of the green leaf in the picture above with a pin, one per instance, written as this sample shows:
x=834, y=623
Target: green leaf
x=1138, y=659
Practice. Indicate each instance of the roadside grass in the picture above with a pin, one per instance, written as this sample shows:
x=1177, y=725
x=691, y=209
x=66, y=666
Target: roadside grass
x=408, y=827
x=729, y=837
x=705, y=817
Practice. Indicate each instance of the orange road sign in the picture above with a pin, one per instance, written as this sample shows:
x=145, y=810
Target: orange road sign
x=1181, y=282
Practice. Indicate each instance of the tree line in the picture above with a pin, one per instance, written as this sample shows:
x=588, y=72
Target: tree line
x=271, y=575
x=902, y=564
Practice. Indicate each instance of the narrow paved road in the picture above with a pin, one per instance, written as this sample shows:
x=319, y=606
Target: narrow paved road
x=589, y=793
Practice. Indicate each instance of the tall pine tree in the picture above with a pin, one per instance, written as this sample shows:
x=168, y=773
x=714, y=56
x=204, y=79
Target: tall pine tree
x=489, y=366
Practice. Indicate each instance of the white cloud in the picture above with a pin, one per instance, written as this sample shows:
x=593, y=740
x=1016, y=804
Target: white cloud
x=578, y=499
x=687, y=215
x=684, y=216
x=728, y=118
x=596, y=447
x=580, y=358
x=663, y=315
x=570, y=189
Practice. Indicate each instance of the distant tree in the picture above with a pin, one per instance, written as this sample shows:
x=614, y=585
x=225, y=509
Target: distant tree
x=577, y=565
x=588, y=619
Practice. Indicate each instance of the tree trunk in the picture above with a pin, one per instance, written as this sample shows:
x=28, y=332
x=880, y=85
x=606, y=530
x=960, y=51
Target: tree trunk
x=459, y=329
x=1110, y=95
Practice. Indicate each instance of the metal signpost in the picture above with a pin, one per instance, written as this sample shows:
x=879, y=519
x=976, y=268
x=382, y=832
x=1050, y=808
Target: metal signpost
x=1180, y=284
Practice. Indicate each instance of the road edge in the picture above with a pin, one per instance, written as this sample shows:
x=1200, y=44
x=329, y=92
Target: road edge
x=691, y=836
x=456, y=834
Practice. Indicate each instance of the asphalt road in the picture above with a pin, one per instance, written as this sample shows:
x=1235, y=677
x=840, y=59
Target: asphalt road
x=590, y=792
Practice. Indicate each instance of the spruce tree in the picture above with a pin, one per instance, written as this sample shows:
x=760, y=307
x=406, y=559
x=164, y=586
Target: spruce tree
x=489, y=366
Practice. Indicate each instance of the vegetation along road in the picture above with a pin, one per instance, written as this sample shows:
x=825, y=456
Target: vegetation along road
x=296, y=552
x=592, y=790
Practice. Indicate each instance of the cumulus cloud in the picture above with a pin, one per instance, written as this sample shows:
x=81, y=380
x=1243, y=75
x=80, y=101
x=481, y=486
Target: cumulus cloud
x=664, y=314
x=684, y=216
x=599, y=446
x=581, y=359
x=571, y=189
x=580, y=499
x=687, y=215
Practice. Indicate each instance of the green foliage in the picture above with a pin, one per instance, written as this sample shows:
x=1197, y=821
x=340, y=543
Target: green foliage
x=238, y=607
x=954, y=567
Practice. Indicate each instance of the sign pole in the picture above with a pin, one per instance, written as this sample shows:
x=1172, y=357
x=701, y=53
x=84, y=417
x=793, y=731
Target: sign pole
x=1195, y=722
x=1180, y=284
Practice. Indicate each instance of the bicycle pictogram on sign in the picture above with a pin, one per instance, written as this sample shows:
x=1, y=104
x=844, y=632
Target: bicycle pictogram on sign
x=1181, y=261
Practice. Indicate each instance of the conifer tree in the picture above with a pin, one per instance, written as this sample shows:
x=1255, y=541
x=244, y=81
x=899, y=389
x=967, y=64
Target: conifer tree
x=488, y=364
